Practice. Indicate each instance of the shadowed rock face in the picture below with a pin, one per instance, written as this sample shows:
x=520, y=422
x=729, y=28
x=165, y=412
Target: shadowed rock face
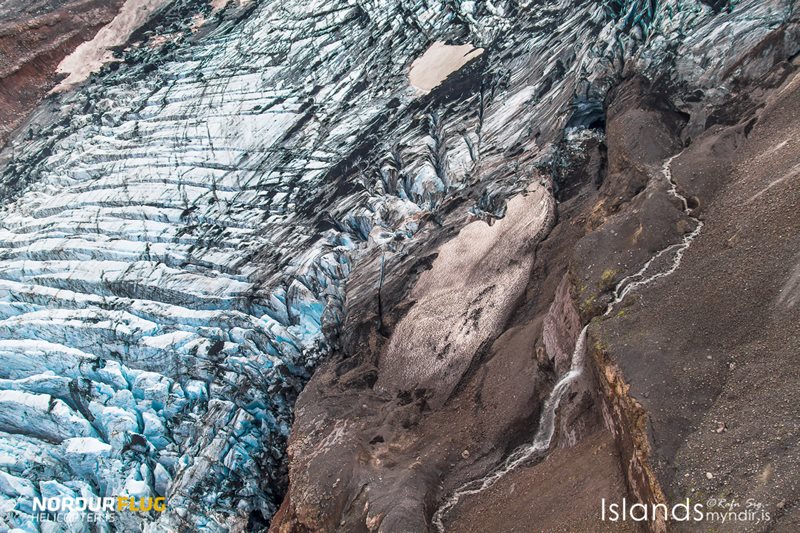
x=256, y=188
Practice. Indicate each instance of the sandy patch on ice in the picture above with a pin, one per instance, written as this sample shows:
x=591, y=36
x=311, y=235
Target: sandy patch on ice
x=216, y=5
x=90, y=56
x=464, y=299
x=438, y=62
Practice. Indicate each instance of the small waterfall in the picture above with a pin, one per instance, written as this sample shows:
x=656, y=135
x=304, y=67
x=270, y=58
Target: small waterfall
x=540, y=446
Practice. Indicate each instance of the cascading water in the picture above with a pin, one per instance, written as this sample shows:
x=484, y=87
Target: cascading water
x=540, y=446
x=541, y=442
x=639, y=279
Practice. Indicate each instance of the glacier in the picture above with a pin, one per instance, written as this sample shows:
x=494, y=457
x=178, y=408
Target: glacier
x=177, y=233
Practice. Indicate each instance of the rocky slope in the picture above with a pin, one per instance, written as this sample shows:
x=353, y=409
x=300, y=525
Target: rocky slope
x=34, y=38
x=256, y=194
x=392, y=456
x=710, y=356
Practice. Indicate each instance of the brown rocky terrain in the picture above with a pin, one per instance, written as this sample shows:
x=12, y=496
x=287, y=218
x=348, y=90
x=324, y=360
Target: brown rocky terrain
x=711, y=354
x=35, y=36
x=691, y=388
x=534, y=497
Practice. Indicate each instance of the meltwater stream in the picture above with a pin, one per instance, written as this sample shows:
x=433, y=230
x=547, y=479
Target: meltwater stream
x=641, y=278
x=540, y=447
x=524, y=454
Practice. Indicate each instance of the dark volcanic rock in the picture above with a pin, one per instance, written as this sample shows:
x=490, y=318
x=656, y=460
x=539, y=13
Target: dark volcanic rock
x=559, y=495
x=711, y=352
x=692, y=355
